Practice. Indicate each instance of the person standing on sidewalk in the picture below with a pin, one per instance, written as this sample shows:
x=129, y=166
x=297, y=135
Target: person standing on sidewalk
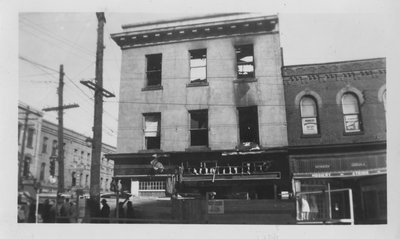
x=105, y=211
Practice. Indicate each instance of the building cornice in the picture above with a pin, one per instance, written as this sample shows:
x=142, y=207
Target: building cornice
x=335, y=71
x=188, y=30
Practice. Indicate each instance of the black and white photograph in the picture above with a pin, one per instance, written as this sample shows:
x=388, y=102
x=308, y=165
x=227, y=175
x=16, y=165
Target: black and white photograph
x=275, y=120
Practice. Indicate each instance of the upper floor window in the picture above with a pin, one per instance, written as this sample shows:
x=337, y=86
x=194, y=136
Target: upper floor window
x=309, y=115
x=44, y=147
x=248, y=124
x=152, y=128
x=245, y=61
x=29, y=142
x=198, y=65
x=153, y=72
x=351, y=113
x=54, y=148
x=42, y=169
x=199, y=128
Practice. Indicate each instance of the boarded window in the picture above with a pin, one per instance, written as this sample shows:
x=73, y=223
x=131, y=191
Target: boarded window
x=351, y=113
x=309, y=115
x=198, y=65
x=154, y=69
x=152, y=126
x=248, y=124
x=199, y=128
x=245, y=61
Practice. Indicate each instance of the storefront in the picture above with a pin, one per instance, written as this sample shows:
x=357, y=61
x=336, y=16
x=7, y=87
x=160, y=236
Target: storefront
x=327, y=180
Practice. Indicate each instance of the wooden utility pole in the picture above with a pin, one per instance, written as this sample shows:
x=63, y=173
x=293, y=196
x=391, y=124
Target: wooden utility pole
x=99, y=92
x=60, y=108
x=61, y=132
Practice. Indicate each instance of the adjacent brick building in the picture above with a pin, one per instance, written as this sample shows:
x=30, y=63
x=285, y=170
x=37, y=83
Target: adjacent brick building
x=336, y=115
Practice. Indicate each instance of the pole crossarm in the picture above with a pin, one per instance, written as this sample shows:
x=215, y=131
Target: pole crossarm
x=95, y=87
x=61, y=108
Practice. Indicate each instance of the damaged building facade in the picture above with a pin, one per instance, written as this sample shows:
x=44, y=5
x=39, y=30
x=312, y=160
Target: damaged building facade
x=336, y=115
x=202, y=108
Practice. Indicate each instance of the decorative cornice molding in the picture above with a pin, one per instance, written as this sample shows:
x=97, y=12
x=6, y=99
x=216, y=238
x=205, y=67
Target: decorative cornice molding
x=184, y=32
x=356, y=70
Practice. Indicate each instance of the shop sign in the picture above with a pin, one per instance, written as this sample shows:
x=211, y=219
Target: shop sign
x=340, y=174
x=215, y=206
x=351, y=123
x=309, y=125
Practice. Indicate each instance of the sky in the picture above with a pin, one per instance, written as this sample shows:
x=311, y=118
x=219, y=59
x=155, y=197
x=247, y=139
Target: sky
x=48, y=39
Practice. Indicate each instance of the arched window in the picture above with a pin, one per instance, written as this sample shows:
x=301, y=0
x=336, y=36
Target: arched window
x=351, y=113
x=309, y=115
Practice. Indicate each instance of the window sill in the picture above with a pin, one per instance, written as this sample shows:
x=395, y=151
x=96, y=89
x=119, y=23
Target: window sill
x=353, y=133
x=197, y=84
x=152, y=87
x=245, y=80
x=150, y=151
x=310, y=136
x=198, y=149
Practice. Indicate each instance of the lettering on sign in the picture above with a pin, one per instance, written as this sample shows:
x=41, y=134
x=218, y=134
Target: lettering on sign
x=322, y=166
x=359, y=164
x=215, y=207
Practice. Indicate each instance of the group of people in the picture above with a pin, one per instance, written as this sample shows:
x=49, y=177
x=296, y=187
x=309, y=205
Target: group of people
x=66, y=214
x=122, y=213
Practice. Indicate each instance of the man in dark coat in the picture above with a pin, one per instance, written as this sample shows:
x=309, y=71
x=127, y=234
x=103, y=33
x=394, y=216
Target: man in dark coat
x=105, y=210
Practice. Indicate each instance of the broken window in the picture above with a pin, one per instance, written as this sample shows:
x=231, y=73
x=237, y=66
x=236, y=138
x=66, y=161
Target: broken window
x=198, y=65
x=351, y=113
x=152, y=130
x=248, y=124
x=199, y=128
x=309, y=114
x=245, y=61
x=154, y=70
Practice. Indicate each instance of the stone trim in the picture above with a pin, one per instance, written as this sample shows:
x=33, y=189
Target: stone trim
x=351, y=89
x=306, y=92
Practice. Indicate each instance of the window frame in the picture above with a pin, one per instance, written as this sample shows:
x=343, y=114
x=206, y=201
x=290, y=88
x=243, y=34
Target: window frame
x=312, y=119
x=158, y=82
x=238, y=63
x=156, y=138
x=44, y=145
x=198, y=130
x=241, y=127
x=191, y=67
x=29, y=140
x=347, y=116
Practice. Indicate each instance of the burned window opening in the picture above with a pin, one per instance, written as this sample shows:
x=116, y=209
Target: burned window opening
x=152, y=130
x=248, y=124
x=198, y=65
x=153, y=72
x=199, y=128
x=245, y=61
